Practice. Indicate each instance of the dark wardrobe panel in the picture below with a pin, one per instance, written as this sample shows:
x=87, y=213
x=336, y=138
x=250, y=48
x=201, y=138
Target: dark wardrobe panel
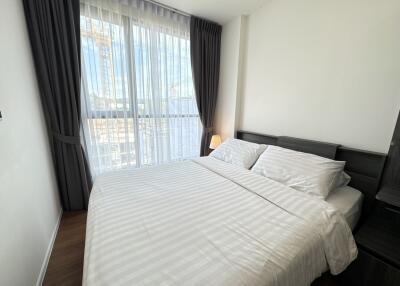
x=391, y=175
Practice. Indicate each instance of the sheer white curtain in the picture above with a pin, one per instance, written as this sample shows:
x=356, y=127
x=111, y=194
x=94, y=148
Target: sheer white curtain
x=138, y=102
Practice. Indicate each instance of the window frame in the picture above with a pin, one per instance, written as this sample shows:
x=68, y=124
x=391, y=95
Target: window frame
x=127, y=23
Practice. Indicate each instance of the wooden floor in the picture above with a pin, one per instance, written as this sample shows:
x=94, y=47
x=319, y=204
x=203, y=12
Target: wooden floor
x=66, y=261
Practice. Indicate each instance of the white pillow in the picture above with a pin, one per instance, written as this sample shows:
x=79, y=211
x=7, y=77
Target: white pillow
x=342, y=180
x=304, y=172
x=238, y=152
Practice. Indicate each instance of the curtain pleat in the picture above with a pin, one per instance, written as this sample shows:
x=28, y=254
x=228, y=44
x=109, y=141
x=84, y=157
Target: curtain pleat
x=205, y=52
x=55, y=41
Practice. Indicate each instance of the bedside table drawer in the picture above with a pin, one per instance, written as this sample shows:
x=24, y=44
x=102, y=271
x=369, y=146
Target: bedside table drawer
x=368, y=270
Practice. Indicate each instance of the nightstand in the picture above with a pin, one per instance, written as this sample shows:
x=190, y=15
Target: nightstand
x=378, y=242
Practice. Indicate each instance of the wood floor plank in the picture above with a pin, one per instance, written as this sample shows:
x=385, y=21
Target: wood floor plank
x=66, y=261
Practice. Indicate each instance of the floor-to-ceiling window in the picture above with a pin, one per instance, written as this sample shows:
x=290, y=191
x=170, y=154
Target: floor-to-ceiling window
x=138, y=102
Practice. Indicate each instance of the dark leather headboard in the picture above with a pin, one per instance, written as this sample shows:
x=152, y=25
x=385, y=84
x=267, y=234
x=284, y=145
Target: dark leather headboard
x=364, y=167
x=327, y=150
x=322, y=149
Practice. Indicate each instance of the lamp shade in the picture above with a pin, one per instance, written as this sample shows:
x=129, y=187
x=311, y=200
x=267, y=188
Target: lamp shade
x=215, y=141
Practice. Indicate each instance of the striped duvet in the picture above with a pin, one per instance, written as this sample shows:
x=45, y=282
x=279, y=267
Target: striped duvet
x=206, y=222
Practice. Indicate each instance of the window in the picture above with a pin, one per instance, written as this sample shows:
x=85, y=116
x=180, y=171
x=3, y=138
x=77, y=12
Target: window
x=138, y=102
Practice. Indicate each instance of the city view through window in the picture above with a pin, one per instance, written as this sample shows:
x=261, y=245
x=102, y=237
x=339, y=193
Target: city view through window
x=138, y=102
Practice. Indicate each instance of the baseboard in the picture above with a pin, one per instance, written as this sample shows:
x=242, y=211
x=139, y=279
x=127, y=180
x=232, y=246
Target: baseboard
x=46, y=259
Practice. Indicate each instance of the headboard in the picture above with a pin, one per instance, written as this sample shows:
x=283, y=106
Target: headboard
x=364, y=167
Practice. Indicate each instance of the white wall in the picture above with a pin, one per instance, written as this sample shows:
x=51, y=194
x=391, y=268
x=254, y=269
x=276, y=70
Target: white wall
x=225, y=112
x=230, y=83
x=324, y=70
x=29, y=204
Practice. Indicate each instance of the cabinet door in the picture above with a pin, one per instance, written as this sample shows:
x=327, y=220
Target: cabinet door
x=367, y=270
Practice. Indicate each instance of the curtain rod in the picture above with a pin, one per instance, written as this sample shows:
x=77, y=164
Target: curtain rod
x=169, y=8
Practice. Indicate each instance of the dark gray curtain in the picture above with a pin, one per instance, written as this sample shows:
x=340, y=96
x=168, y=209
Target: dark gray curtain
x=205, y=50
x=54, y=33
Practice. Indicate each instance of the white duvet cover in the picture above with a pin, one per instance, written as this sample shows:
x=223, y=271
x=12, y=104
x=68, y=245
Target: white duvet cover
x=206, y=222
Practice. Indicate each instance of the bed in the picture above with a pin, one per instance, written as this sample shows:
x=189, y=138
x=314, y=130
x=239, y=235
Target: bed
x=206, y=222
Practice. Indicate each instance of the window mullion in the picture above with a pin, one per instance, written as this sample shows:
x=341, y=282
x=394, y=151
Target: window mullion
x=133, y=112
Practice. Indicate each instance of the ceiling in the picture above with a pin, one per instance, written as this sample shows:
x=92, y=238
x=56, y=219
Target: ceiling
x=220, y=11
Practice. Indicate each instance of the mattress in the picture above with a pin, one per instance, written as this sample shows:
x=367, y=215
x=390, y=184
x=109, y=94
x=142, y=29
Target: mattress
x=349, y=202
x=206, y=222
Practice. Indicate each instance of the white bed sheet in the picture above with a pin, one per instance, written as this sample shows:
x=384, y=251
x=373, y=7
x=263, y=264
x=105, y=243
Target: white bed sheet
x=206, y=222
x=349, y=202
